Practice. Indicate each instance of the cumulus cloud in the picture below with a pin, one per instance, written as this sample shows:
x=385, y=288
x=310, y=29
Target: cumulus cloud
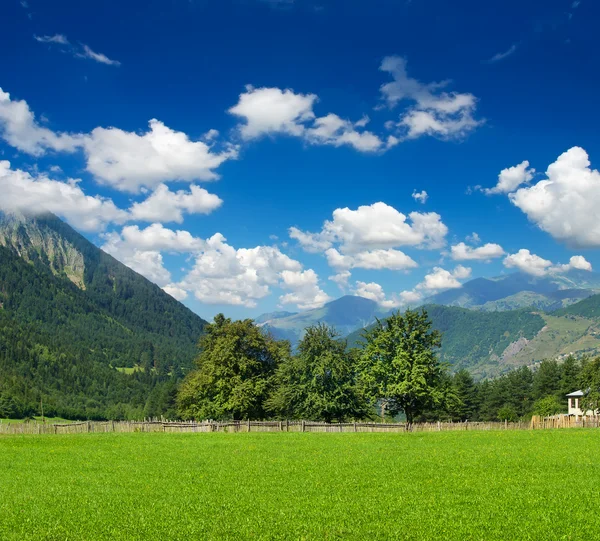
x=341, y=279
x=34, y=194
x=440, y=278
x=154, y=237
x=272, y=111
x=566, y=204
x=268, y=111
x=421, y=196
x=335, y=131
x=462, y=252
x=511, y=178
x=124, y=160
x=140, y=250
x=431, y=110
x=224, y=275
x=20, y=129
x=376, y=293
x=372, y=259
x=127, y=161
x=164, y=205
x=376, y=227
x=175, y=292
x=532, y=264
x=304, y=288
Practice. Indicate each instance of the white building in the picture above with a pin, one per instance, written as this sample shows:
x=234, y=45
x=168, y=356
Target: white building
x=574, y=409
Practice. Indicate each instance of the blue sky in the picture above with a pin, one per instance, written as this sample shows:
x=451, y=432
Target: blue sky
x=291, y=138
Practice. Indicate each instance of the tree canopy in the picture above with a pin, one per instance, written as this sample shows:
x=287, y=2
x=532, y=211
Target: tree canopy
x=319, y=383
x=399, y=368
x=234, y=372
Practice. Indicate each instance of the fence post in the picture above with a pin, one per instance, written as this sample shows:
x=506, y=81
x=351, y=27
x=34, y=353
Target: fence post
x=248, y=424
x=303, y=426
x=287, y=425
x=505, y=424
x=355, y=426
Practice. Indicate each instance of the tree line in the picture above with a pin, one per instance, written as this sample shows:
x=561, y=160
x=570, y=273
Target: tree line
x=244, y=373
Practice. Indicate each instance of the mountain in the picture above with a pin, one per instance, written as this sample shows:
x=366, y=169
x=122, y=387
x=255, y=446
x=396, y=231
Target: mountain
x=346, y=314
x=482, y=342
x=520, y=290
x=273, y=315
x=82, y=332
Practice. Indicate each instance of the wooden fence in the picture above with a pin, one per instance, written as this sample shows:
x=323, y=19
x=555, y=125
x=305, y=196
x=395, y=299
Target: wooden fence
x=37, y=427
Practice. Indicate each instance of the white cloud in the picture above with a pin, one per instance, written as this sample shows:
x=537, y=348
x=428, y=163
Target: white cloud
x=124, y=160
x=310, y=242
x=566, y=204
x=164, y=205
x=272, y=110
x=175, y=292
x=375, y=292
x=462, y=252
x=332, y=130
x=305, y=291
x=341, y=279
x=421, y=196
x=505, y=54
x=19, y=128
x=442, y=279
x=473, y=238
x=410, y=297
x=127, y=161
x=511, y=178
x=153, y=237
x=140, y=249
x=432, y=111
x=80, y=50
x=86, y=52
x=376, y=227
x=372, y=259
x=527, y=262
x=61, y=39
x=34, y=194
x=579, y=262
x=223, y=275
x=532, y=264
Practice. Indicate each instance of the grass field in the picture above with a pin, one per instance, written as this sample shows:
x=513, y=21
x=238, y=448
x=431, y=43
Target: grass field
x=513, y=485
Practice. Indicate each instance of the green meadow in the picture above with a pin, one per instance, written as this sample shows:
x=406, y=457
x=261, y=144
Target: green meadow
x=509, y=485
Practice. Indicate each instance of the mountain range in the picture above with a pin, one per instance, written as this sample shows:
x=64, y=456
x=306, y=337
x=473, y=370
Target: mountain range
x=489, y=326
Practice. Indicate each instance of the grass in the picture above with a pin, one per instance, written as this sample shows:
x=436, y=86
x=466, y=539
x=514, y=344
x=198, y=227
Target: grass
x=513, y=485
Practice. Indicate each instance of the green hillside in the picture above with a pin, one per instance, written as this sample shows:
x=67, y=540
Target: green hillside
x=70, y=315
x=589, y=308
x=478, y=340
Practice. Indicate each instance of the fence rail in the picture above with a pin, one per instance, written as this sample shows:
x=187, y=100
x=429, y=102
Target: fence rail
x=37, y=427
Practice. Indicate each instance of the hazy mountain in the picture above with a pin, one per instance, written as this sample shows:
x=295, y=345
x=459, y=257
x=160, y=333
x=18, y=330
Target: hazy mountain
x=70, y=315
x=346, y=314
x=520, y=290
x=269, y=316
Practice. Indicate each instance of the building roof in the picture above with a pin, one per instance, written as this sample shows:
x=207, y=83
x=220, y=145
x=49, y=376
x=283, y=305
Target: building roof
x=575, y=394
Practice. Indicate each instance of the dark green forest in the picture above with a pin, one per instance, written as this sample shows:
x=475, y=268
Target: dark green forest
x=61, y=346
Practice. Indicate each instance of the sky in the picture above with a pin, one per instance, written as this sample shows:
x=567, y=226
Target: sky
x=258, y=155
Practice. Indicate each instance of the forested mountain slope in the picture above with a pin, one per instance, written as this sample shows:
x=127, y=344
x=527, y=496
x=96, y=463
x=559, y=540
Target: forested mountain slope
x=478, y=341
x=70, y=315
